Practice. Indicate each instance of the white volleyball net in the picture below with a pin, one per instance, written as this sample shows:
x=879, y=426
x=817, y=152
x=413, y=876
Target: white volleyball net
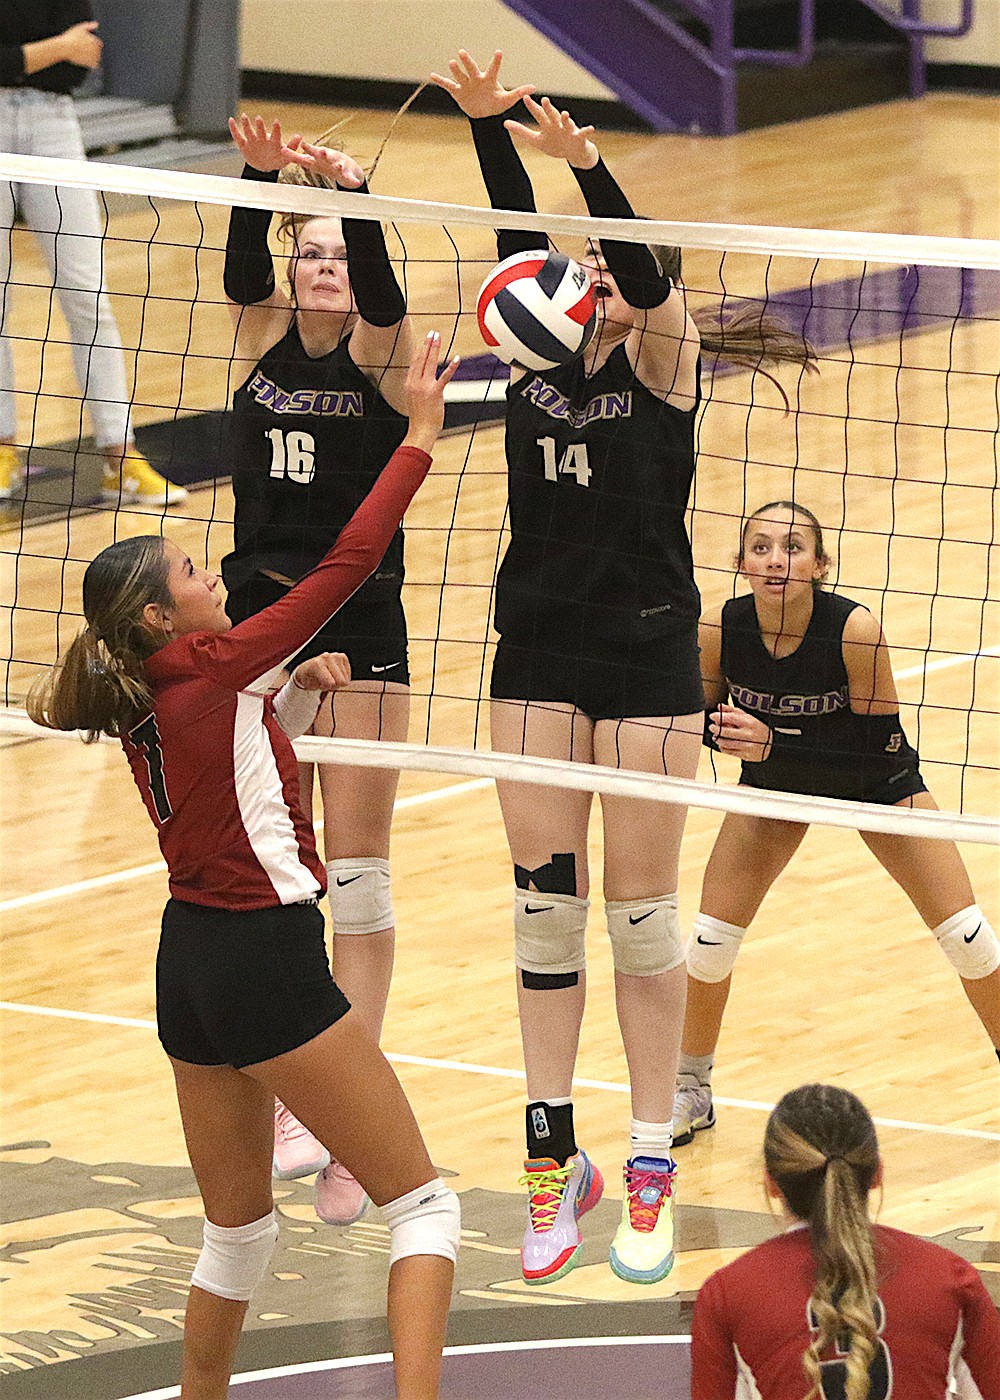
x=893, y=446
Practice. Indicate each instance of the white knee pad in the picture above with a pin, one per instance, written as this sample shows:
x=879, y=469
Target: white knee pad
x=425, y=1221
x=713, y=948
x=645, y=935
x=550, y=932
x=969, y=943
x=233, y=1261
x=360, y=893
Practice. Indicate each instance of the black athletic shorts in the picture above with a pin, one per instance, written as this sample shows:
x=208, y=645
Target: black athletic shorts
x=660, y=676
x=884, y=792
x=371, y=632
x=235, y=988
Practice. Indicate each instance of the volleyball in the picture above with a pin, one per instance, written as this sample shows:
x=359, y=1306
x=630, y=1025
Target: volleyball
x=537, y=309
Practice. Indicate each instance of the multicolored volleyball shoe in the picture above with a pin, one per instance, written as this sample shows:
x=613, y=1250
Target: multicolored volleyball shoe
x=693, y=1112
x=643, y=1248
x=557, y=1197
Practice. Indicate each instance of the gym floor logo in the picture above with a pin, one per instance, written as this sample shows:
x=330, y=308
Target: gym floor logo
x=98, y=1260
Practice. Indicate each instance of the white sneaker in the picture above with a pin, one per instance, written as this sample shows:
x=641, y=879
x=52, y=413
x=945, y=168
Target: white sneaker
x=693, y=1111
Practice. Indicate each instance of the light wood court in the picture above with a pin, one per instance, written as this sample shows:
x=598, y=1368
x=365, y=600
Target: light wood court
x=838, y=981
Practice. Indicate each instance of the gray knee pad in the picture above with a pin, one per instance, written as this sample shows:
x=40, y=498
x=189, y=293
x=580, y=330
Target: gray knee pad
x=713, y=949
x=645, y=935
x=233, y=1261
x=969, y=943
x=425, y=1221
x=360, y=894
x=550, y=933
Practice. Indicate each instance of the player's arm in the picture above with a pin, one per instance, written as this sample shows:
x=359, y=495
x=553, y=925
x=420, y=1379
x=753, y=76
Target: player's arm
x=78, y=45
x=485, y=101
x=297, y=702
x=713, y=1361
x=664, y=344
x=381, y=341
x=869, y=669
x=728, y=729
x=259, y=309
x=710, y=645
x=980, y=1377
x=239, y=658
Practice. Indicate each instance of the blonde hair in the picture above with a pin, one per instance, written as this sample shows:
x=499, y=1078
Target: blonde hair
x=750, y=337
x=821, y=1150
x=100, y=684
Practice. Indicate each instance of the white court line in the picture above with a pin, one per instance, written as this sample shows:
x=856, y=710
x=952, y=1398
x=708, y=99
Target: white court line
x=495, y=1072
x=137, y=872
x=384, y=1358
x=944, y=663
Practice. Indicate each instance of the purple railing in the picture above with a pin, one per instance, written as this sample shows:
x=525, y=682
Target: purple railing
x=674, y=80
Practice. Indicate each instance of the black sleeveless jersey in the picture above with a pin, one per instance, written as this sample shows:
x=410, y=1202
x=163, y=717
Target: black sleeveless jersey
x=599, y=472
x=820, y=745
x=309, y=438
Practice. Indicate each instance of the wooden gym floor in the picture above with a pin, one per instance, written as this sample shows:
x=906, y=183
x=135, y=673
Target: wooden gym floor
x=839, y=980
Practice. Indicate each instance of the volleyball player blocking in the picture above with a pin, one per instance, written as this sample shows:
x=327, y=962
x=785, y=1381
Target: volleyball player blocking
x=319, y=409
x=597, y=611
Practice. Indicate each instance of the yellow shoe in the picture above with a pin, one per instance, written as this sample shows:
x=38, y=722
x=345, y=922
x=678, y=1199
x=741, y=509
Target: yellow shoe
x=135, y=483
x=643, y=1248
x=11, y=470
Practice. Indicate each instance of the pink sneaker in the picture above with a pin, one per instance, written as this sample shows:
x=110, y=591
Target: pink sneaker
x=340, y=1200
x=296, y=1151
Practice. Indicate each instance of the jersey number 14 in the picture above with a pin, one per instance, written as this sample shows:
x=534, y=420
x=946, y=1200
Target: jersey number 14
x=293, y=454
x=574, y=461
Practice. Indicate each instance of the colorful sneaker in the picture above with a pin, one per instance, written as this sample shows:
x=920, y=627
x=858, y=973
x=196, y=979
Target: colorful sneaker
x=340, y=1200
x=643, y=1248
x=693, y=1111
x=557, y=1197
x=11, y=470
x=296, y=1151
x=135, y=483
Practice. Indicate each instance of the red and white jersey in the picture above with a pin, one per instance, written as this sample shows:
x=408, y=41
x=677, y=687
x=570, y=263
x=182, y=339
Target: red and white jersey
x=938, y=1326
x=215, y=769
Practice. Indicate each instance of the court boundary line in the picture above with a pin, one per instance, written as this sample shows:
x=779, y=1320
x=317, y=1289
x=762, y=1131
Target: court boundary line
x=383, y=1358
x=493, y=1071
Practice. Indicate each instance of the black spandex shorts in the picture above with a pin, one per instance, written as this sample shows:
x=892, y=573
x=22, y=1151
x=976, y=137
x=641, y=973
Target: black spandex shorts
x=235, y=988
x=371, y=632
x=897, y=787
x=661, y=676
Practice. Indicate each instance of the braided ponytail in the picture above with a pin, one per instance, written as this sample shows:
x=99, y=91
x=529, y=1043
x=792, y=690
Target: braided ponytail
x=821, y=1150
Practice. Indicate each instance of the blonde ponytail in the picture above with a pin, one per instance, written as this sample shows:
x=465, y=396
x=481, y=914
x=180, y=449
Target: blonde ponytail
x=822, y=1152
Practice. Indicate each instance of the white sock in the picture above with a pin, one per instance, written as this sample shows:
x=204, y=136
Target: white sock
x=695, y=1071
x=651, y=1139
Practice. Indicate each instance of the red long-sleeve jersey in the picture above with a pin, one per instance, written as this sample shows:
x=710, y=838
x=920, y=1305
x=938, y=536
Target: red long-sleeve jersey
x=215, y=770
x=938, y=1325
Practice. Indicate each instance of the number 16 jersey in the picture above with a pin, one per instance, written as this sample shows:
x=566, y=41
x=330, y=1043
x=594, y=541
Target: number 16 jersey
x=310, y=436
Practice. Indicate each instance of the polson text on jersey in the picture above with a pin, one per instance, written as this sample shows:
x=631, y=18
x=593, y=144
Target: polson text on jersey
x=324, y=402
x=767, y=704
x=556, y=405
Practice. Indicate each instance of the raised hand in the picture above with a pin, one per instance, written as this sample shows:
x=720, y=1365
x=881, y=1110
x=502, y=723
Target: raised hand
x=480, y=93
x=322, y=160
x=556, y=134
x=425, y=392
x=328, y=671
x=741, y=734
x=261, y=146
x=81, y=44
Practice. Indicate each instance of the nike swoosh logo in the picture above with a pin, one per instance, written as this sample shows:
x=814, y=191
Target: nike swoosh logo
x=710, y=942
x=970, y=936
x=391, y=666
x=537, y=908
x=349, y=881
x=648, y=915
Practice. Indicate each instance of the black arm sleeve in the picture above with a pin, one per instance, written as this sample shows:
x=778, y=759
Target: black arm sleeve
x=373, y=282
x=11, y=65
x=632, y=265
x=248, y=276
x=507, y=183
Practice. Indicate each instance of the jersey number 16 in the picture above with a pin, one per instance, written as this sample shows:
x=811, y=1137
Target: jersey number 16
x=293, y=454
